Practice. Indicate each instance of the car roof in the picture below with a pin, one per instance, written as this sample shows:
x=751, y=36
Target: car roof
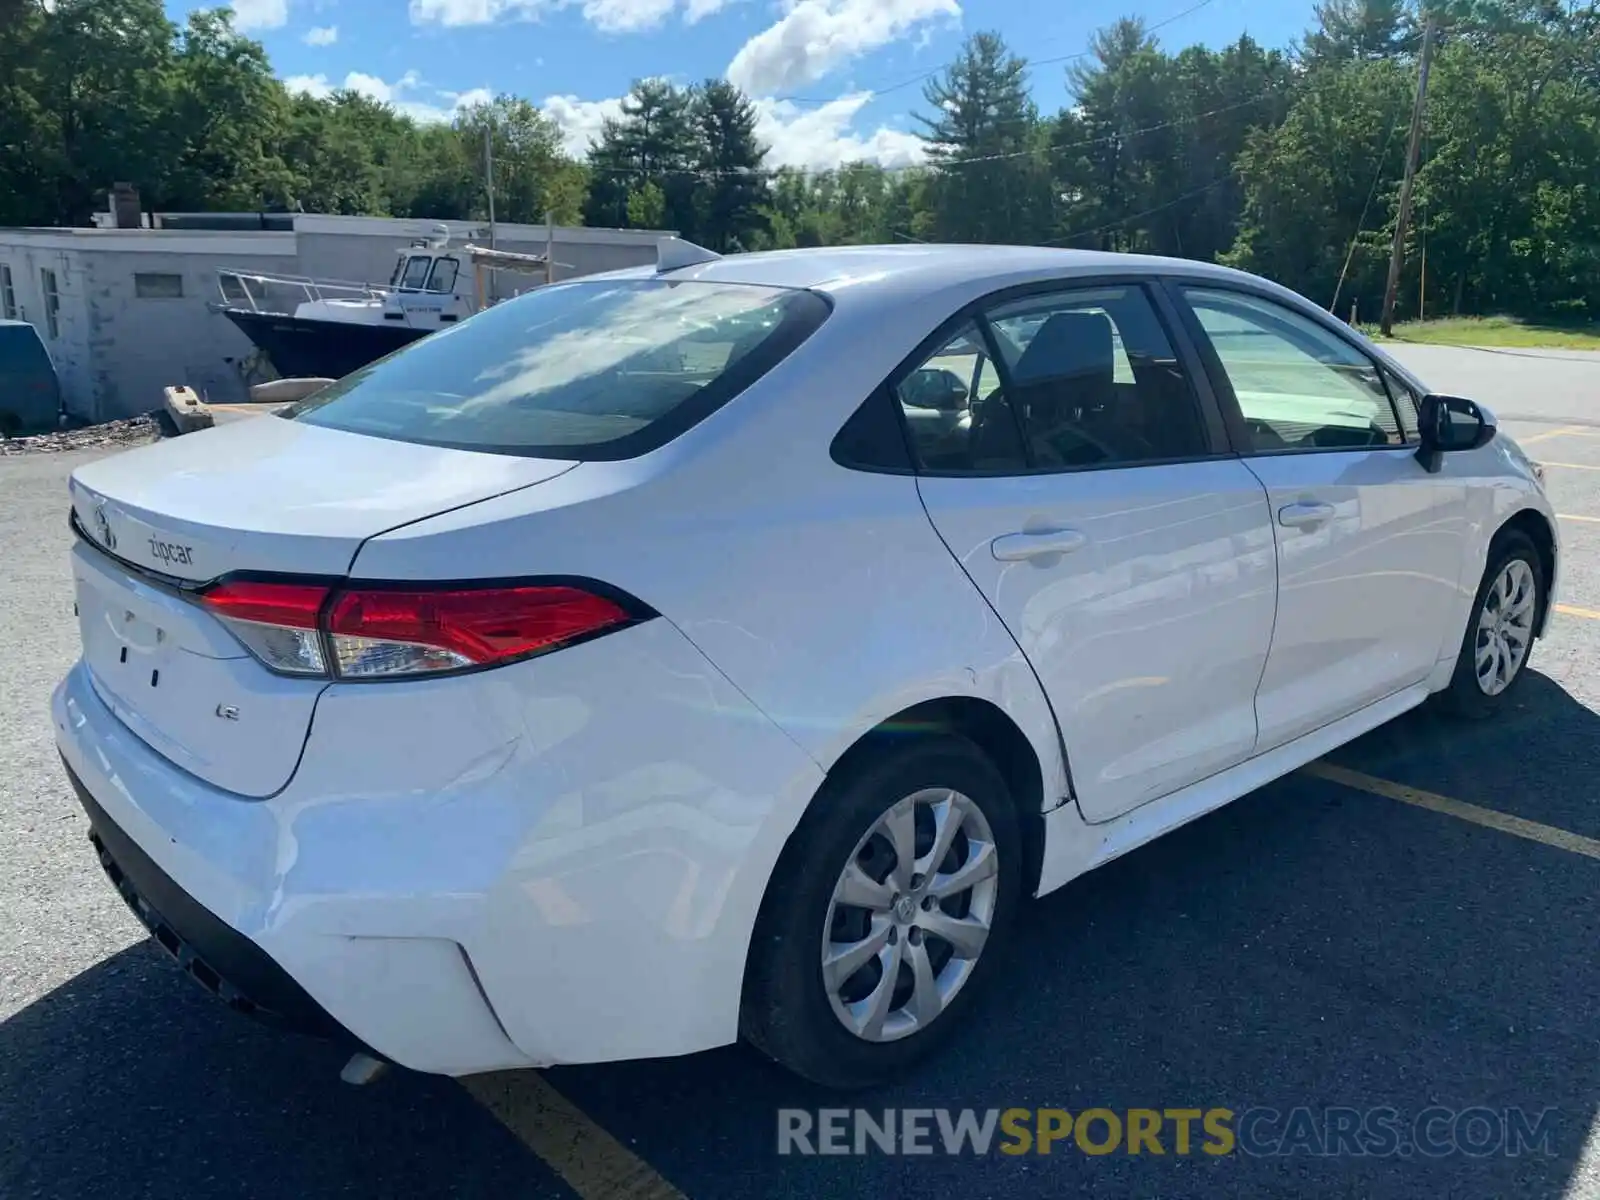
x=930, y=267
x=946, y=276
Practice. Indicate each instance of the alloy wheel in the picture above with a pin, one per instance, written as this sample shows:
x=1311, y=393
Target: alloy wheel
x=910, y=915
x=1505, y=627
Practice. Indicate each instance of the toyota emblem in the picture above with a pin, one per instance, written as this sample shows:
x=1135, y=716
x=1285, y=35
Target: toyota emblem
x=103, y=526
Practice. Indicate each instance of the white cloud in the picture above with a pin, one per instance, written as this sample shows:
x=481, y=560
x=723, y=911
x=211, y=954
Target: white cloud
x=815, y=139
x=815, y=36
x=310, y=85
x=470, y=98
x=627, y=16
x=260, y=14
x=579, y=120
x=699, y=10
x=406, y=94
x=469, y=12
x=608, y=16
x=818, y=139
x=321, y=35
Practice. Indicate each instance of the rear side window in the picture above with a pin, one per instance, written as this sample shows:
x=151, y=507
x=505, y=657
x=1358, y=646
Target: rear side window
x=1095, y=381
x=583, y=370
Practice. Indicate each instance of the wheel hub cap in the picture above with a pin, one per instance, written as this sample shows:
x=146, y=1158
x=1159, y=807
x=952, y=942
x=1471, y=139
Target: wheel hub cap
x=910, y=914
x=1505, y=627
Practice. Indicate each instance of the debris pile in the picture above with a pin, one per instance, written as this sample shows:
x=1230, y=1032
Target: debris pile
x=108, y=435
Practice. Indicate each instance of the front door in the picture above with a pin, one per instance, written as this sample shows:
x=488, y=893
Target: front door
x=1369, y=544
x=1096, y=508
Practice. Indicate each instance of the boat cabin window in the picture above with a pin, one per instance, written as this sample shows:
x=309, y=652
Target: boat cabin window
x=416, y=272
x=444, y=275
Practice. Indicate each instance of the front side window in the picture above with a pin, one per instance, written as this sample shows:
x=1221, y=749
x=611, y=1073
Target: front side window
x=1299, y=386
x=581, y=370
x=444, y=274
x=8, y=294
x=1094, y=380
x=52, y=302
x=416, y=273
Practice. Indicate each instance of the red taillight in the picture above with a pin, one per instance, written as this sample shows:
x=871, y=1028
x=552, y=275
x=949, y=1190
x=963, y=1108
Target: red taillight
x=277, y=622
x=293, y=605
x=384, y=632
x=378, y=632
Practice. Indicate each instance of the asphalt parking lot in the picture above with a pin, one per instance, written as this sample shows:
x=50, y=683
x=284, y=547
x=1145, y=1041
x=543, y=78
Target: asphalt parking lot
x=1410, y=929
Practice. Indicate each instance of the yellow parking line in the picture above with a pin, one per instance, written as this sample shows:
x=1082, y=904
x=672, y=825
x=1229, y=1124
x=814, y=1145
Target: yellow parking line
x=1489, y=818
x=1572, y=610
x=1554, y=433
x=1570, y=466
x=593, y=1163
x=1576, y=517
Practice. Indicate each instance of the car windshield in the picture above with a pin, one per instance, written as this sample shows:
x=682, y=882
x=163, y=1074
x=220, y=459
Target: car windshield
x=604, y=369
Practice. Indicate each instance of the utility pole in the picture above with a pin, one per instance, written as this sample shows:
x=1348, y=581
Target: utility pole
x=1402, y=218
x=488, y=176
x=488, y=186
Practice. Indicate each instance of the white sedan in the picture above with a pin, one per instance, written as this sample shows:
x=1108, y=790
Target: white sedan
x=726, y=649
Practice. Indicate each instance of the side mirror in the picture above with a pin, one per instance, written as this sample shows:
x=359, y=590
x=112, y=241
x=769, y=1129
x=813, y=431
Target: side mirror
x=935, y=388
x=1448, y=425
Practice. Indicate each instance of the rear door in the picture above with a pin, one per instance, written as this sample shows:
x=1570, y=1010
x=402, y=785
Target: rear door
x=1093, y=501
x=1369, y=544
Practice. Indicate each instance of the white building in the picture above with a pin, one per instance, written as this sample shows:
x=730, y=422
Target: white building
x=124, y=312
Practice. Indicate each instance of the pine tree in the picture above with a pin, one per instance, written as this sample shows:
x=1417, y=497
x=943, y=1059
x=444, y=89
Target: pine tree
x=982, y=140
x=733, y=188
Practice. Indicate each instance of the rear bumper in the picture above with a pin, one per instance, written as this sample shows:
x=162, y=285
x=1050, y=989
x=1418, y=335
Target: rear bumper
x=560, y=861
x=223, y=961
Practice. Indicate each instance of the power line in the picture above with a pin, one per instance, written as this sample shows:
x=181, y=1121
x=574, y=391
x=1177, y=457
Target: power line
x=1377, y=177
x=1131, y=217
x=947, y=163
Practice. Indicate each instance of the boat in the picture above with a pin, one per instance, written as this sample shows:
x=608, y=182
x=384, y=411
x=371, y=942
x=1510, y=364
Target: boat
x=337, y=327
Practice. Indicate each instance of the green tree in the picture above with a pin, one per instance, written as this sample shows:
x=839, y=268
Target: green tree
x=224, y=120
x=654, y=141
x=990, y=183
x=647, y=206
x=733, y=187
x=104, y=72
x=533, y=177
x=1307, y=183
x=1348, y=30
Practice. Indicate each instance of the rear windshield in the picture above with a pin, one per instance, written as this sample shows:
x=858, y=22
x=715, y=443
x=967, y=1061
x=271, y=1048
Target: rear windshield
x=585, y=370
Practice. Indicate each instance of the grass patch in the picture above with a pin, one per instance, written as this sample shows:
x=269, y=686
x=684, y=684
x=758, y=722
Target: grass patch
x=1497, y=331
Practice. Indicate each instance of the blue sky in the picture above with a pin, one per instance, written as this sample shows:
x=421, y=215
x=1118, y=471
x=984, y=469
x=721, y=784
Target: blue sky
x=823, y=72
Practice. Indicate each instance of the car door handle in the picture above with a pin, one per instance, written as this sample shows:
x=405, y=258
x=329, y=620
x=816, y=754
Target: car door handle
x=1300, y=516
x=1020, y=547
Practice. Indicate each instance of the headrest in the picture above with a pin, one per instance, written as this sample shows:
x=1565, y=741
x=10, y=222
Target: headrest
x=1069, y=345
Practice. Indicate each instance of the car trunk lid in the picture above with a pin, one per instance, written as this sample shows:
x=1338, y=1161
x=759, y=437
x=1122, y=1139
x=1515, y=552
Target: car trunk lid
x=265, y=496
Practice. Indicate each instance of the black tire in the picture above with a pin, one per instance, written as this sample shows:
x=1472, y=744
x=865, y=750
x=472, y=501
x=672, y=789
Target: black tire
x=1465, y=697
x=786, y=1012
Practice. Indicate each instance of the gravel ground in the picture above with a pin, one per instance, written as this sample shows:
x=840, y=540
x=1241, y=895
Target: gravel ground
x=1308, y=945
